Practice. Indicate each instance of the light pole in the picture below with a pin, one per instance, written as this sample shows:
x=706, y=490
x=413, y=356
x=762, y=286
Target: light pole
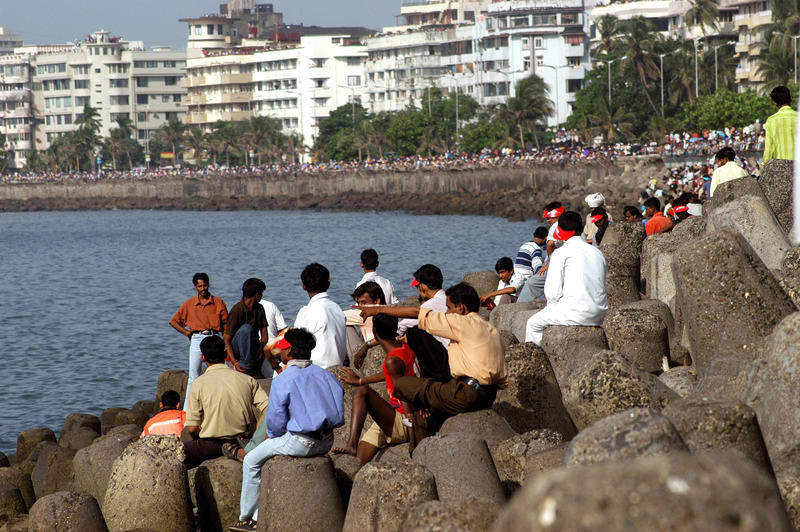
x=608, y=62
x=717, y=47
x=352, y=104
x=696, y=70
x=558, y=109
x=794, y=51
x=661, y=70
x=300, y=110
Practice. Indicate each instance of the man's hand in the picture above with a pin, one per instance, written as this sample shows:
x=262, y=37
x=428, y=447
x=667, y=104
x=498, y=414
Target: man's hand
x=360, y=354
x=542, y=270
x=350, y=377
x=237, y=367
x=367, y=311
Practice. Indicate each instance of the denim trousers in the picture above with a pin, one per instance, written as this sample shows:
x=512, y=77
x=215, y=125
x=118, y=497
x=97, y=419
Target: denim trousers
x=532, y=289
x=290, y=444
x=195, y=363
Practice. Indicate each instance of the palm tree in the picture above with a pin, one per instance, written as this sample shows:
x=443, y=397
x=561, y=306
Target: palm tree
x=259, y=130
x=197, y=140
x=172, y=133
x=87, y=135
x=680, y=66
x=608, y=26
x=529, y=105
x=226, y=136
x=294, y=143
x=613, y=121
x=775, y=64
x=703, y=13
x=430, y=142
x=638, y=41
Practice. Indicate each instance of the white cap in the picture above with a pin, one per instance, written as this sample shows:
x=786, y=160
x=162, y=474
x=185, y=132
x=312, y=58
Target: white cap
x=595, y=200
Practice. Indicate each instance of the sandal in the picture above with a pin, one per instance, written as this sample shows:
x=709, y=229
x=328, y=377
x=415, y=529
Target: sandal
x=247, y=525
x=230, y=450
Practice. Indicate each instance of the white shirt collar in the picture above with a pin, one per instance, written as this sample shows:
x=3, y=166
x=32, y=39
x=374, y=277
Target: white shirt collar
x=321, y=295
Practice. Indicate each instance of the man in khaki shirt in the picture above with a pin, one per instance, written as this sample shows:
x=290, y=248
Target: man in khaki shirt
x=220, y=405
x=475, y=354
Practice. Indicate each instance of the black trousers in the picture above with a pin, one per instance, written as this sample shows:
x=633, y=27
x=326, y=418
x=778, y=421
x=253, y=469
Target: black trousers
x=431, y=354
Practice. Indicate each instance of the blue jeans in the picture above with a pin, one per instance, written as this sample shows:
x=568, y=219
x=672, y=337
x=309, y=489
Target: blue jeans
x=195, y=363
x=532, y=289
x=290, y=444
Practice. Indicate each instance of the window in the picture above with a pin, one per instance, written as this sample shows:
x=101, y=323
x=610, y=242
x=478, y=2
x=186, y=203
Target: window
x=141, y=117
x=81, y=69
x=81, y=83
x=574, y=61
x=574, y=39
x=319, y=83
x=210, y=29
x=219, y=29
x=538, y=42
x=519, y=22
x=176, y=98
x=81, y=101
x=318, y=63
x=96, y=70
x=165, y=98
x=574, y=85
x=142, y=82
x=198, y=30
x=119, y=100
x=353, y=61
x=118, y=83
x=170, y=80
x=119, y=116
x=169, y=64
x=353, y=81
x=141, y=99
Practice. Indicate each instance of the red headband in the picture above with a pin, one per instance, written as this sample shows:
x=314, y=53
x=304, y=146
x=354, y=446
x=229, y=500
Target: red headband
x=597, y=217
x=283, y=344
x=555, y=213
x=682, y=208
x=414, y=283
x=562, y=234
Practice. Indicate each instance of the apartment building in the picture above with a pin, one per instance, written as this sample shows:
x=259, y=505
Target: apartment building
x=749, y=20
x=8, y=41
x=16, y=106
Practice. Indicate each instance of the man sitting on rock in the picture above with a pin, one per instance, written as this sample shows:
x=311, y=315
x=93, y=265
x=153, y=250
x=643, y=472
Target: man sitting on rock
x=530, y=259
x=220, y=405
x=507, y=288
x=306, y=403
x=392, y=417
x=247, y=332
x=169, y=420
x=727, y=169
x=475, y=354
x=656, y=221
x=576, y=283
x=359, y=330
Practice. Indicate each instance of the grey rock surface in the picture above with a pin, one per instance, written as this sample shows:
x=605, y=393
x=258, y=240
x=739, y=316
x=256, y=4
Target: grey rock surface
x=776, y=183
x=174, y=379
x=483, y=282
x=543, y=461
x=622, y=248
x=462, y=466
x=485, y=424
x=625, y=435
x=680, y=379
x=92, y=465
x=309, y=479
x=217, y=487
x=532, y=399
x=511, y=456
x=22, y=480
x=148, y=488
x=79, y=431
x=345, y=468
x=11, y=503
x=639, y=335
x=502, y=315
x=28, y=439
x=610, y=383
x=53, y=470
x=66, y=511
x=4, y=462
x=570, y=347
x=519, y=322
x=467, y=516
x=383, y=494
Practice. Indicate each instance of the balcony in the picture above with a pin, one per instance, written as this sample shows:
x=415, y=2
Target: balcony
x=194, y=99
x=231, y=97
x=14, y=96
x=232, y=116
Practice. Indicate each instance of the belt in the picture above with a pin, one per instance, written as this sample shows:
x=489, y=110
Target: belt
x=207, y=332
x=469, y=381
x=316, y=434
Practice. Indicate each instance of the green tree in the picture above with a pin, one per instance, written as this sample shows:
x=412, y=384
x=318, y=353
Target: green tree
x=725, y=108
x=703, y=13
x=406, y=130
x=87, y=137
x=613, y=122
x=609, y=27
x=529, y=105
x=478, y=135
x=638, y=41
x=197, y=141
x=5, y=162
x=172, y=134
x=775, y=64
x=342, y=121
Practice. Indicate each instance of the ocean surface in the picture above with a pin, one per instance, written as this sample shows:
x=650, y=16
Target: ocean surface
x=87, y=297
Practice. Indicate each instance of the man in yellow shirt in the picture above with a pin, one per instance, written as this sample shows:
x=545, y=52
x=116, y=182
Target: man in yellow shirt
x=727, y=169
x=779, y=127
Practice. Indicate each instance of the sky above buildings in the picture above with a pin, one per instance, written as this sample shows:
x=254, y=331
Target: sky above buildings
x=156, y=21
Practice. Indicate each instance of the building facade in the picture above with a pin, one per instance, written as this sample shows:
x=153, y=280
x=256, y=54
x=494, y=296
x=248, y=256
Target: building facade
x=8, y=41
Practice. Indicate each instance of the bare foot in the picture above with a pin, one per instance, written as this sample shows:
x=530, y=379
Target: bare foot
x=344, y=450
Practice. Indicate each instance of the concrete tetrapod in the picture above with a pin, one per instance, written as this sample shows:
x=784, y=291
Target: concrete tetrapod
x=569, y=347
x=11, y=503
x=713, y=492
x=92, y=465
x=53, y=471
x=22, y=480
x=511, y=456
x=383, y=494
x=79, y=431
x=610, y=383
x=740, y=205
x=629, y=434
x=148, y=488
x=704, y=424
x=483, y=282
x=174, y=379
x=776, y=183
x=729, y=299
x=502, y=315
x=532, y=399
x=622, y=248
x=462, y=466
x=117, y=417
x=66, y=511
x=310, y=480
x=217, y=487
x=27, y=440
x=681, y=380
x=638, y=335
x=466, y=516
x=4, y=460
x=485, y=424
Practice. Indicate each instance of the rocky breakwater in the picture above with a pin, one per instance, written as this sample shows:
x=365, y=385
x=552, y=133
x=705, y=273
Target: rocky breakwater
x=590, y=434
x=511, y=192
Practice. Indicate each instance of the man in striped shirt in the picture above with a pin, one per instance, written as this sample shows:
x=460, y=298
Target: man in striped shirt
x=530, y=258
x=779, y=143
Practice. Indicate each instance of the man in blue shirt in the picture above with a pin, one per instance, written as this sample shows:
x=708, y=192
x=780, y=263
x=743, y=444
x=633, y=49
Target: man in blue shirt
x=306, y=403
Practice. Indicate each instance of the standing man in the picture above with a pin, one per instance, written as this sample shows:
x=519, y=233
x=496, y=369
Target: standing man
x=779, y=143
x=220, y=405
x=199, y=317
x=576, y=285
x=322, y=317
x=306, y=403
x=246, y=332
x=369, y=262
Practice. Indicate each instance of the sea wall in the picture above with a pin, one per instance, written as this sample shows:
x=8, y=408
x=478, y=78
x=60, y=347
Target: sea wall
x=487, y=191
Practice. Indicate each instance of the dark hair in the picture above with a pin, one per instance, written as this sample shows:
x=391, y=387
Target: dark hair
x=316, y=278
x=504, y=263
x=570, y=221
x=372, y=289
x=541, y=232
x=369, y=258
x=629, y=210
x=171, y=398
x=464, y=294
x=653, y=202
x=200, y=276
x=781, y=95
x=302, y=342
x=213, y=349
x=683, y=199
x=430, y=276
x=252, y=287
x=599, y=210
x=552, y=205
x=727, y=153
x=385, y=326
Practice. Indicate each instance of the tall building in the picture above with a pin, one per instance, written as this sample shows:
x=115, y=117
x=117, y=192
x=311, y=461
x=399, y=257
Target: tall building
x=750, y=21
x=8, y=41
x=45, y=89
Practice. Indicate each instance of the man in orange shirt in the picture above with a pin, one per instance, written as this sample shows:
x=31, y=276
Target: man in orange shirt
x=169, y=419
x=199, y=317
x=657, y=222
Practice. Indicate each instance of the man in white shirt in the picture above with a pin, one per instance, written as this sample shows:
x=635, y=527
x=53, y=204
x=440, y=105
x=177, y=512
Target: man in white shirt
x=576, y=282
x=369, y=262
x=322, y=317
x=727, y=169
x=275, y=321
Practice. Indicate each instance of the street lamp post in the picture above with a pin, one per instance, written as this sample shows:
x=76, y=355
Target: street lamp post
x=608, y=62
x=794, y=51
x=717, y=47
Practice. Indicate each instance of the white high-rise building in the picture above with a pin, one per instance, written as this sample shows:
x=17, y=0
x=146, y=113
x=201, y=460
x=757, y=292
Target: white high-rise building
x=8, y=41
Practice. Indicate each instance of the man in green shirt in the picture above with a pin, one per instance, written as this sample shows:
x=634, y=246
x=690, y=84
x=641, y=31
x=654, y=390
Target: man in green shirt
x=780, y=127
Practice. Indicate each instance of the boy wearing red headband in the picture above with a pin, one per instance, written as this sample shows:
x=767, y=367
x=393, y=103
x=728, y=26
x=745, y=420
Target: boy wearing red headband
x=576, y=284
